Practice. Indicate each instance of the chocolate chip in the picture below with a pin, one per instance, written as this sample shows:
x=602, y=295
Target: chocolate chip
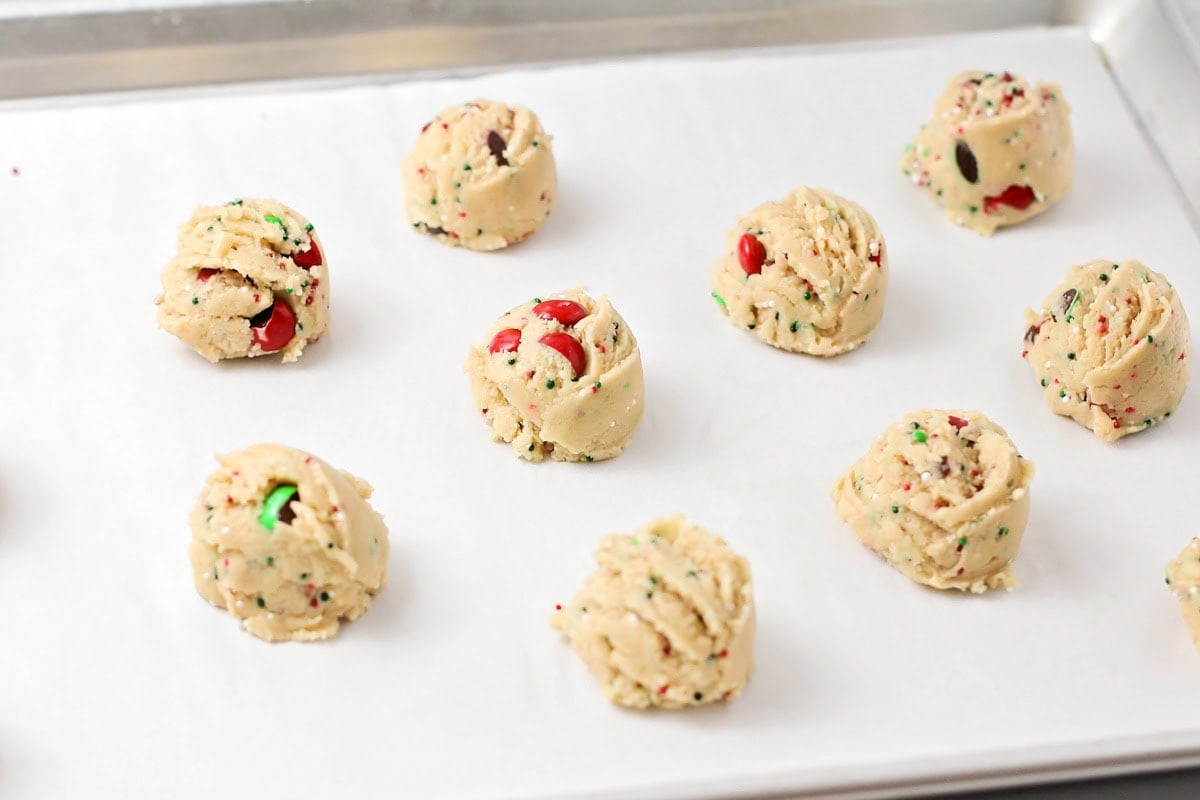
x=1066, y=301
x=966, y=161
x=944, y=467
x=975, y=81
x=1032, y=333
x=496, y=145
x=286, y=514
x=437, y=230
x=261, y=319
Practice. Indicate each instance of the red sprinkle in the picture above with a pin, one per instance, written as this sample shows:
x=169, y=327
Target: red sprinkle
x=566, y=312
x=569, y=348
x=278, y=330
x=907, y=486
x=751, y=254
x=723, y=654
x=1128, y=409
x=506, y=341
x=558, y=606
x=307, y=259
x=1016, y=196
x=313, y=602
x=958, y=422
x=1116, y=423
x=662, y=689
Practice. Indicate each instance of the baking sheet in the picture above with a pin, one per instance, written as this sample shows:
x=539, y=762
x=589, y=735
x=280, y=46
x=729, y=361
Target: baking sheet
x=117, y=680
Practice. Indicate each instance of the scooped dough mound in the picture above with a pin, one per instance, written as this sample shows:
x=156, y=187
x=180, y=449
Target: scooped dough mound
x=807, y=273
x=996, y=150
x=1110, y=347
x=560, y=376
x=249, y=278
x=480, y=175
x=943, y=497
x=1183, y=578
x=667, y=619
x=287, y=544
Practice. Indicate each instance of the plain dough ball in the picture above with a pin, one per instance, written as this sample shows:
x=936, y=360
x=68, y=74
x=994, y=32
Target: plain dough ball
x=1183, y=576
x=943, y=497
x=807, y=273
x=322, y=560
x=249, y=279
x=532, y=395
x=1109, y=347
x=996, y=150
x=667, y=619
x=480, y=175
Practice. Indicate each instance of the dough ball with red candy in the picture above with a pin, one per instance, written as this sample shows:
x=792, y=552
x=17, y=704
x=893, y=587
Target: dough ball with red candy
x=1110, y=347
x=996, y=151
x=560, y=376
x=807, y=273
x=249, y=279
x=481, y=175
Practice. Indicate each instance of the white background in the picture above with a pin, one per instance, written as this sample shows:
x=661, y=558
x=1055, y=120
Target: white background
x=116, y=679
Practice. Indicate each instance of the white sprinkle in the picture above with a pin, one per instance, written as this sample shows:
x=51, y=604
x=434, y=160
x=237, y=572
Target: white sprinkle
x=612, y=424
x=239, y=604
x=338, y=516
x=874, y=495
x=1065, y=398
x=446, y=157
x=925, y=476
x=631, y=617
x=207, y=576
x=1018, y=493
x=225, y=529
x=1049, y=363
x=873, y=248
x=820, y=230
x=270, y=615
x=991, y=112
x=1076, y=329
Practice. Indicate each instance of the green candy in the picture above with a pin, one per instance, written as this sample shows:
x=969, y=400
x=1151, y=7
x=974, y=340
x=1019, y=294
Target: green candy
x=276, y=500
x=720, y=300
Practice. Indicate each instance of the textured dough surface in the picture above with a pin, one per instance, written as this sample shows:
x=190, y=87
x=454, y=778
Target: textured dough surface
x=532, y=398
x=943, y=497
x=1110, y=347
x=249, y=247
x=301, y=579
x=1183, y=576
x=667, y=619
x=480, y=175
x=823, y=282
x=1017, y=135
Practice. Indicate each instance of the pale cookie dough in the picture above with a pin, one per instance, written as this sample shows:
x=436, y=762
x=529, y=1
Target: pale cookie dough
x=1110, y=347
x=560, y=376
x=807, y=273
x=996, y=150
x=1183, y=576
x=667, y=619
x=480, y=175
x=249, y=279
x=287, y=544
x=943, y=497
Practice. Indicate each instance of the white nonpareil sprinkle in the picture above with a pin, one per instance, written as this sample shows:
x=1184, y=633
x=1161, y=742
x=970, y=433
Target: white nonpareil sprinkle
x=239, y=604
x=224, y=529
x=873, y=248
x=1049, y=363
x=874, y=495
x=631, y=617
x=925, y=476
x=207, y=576
x=1018, y=493
x=270, y=615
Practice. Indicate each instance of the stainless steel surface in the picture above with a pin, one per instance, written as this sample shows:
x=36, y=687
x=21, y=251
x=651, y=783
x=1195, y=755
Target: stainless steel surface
x=1152, y=50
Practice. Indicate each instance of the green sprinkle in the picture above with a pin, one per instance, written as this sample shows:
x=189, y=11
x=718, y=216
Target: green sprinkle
x=535, y=143
x=1043, y=382
x=1062, y=394
x=1070, y=356
x=466, y=167
x=1145, y=278
x=479, y=231
x=308, y=227
x=925, y=152
x=1103, y=277
x=288, y=290
x=919, y=437
x=962, y=543
x=654, y=580
x=234, y=203
x=751, y=326
x=939, y=192
x=1021, y=165
x=589, y=458
x=530, y=448
x=720, y=300
x=324, y=597
x=195, y=301
x=303, y=576
x=973, y=209
x=550, y=384
x=895, y=509
x=209, y=229
x=537, y=300
x=208, y=508
x=794, y=326
x=1116, y=266
x=457, y=185
x=596, y=385
x=270, y=561
x=691, y=573
x=274, y=219
x=1148, y=422
x=1003, y=532
x=433, y=201
x=512, y=361
x=808, y=295
x=1150, y=339
x=262, y=603
x=274, y=503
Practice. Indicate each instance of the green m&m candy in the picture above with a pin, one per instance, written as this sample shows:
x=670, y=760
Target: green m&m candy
x=277, y=506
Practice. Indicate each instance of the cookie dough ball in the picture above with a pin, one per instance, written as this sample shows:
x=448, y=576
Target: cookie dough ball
x=560, y=376
x=249, y=278
x=943, y=497
x=806, y=274
x=1109, y=347
x=667, y=620
x=996, y=150
x=1183, y=578
x=480, y=175
x=287, y=544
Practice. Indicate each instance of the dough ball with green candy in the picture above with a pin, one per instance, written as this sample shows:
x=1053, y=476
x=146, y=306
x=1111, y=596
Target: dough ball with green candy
x=1183, y=578
x=996, y=151
x=249, y=279
x=287, y=544
x=481, y=175
x=1110, y=347
x=942, y=496
x=667, y=619
x=807, y=273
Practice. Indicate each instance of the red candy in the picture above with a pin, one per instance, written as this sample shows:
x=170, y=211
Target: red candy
x=205, y=274
x=1018, y=197
x=958, y=422
x=278, y=330
x=751, y=254
x=567, y=312
x=307, y=259
x=569, y=348
x=506, y=341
